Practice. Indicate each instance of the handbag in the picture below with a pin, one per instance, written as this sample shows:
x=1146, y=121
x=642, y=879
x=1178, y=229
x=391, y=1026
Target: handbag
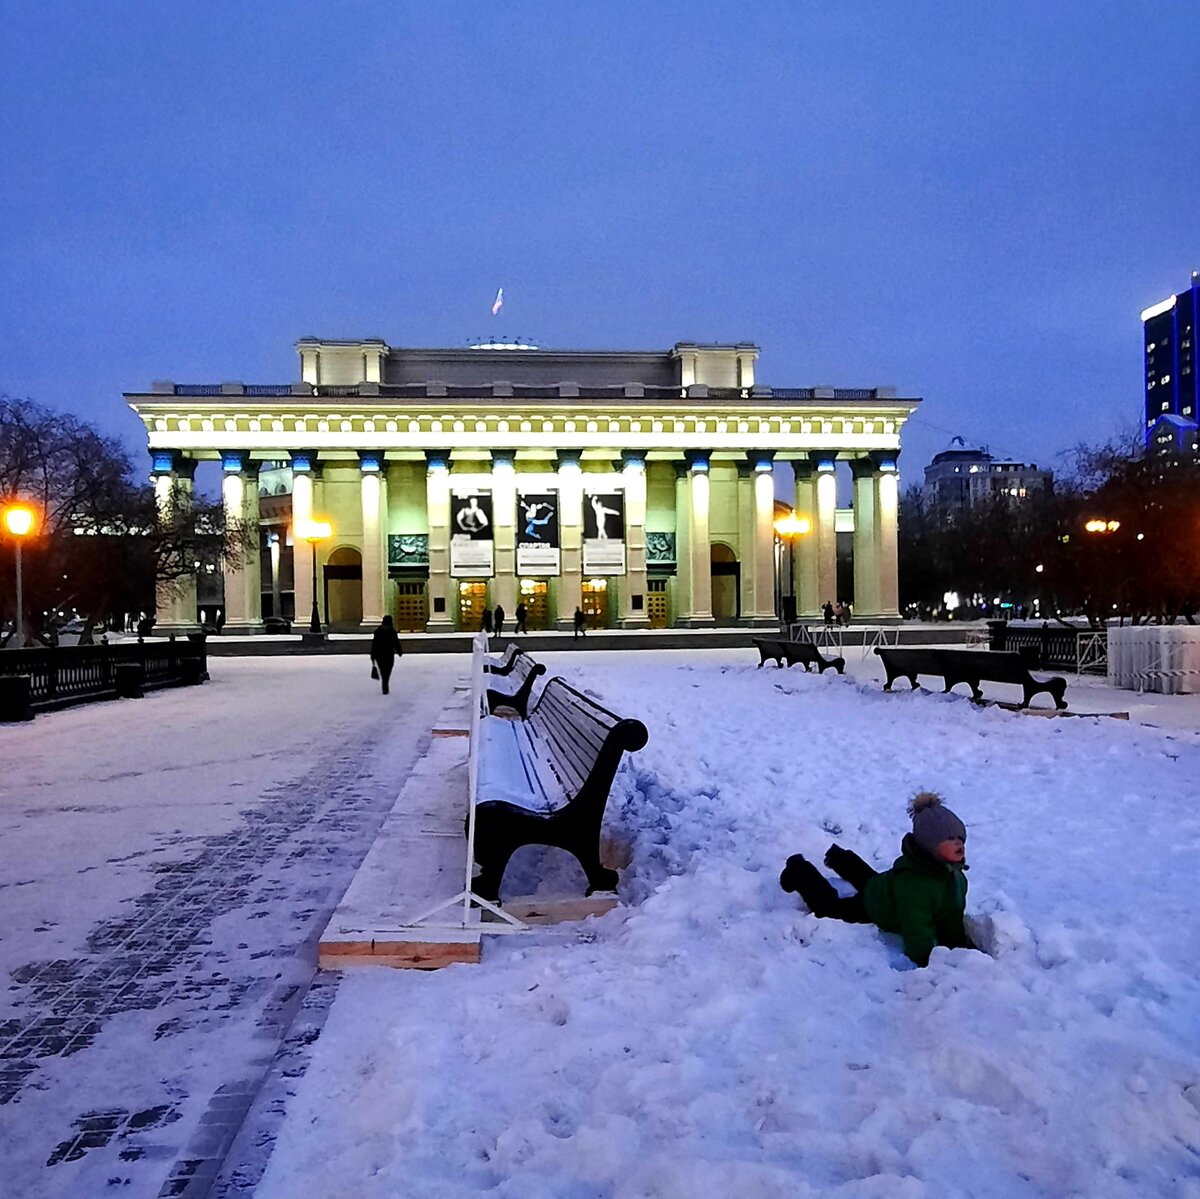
x=374, y=671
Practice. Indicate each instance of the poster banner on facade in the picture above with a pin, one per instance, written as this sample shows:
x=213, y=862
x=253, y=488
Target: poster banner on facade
x=537, y=534
x=472, y=541
x=604, y=533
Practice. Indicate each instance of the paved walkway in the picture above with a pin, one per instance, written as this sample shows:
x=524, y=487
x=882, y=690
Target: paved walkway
x=169, y=864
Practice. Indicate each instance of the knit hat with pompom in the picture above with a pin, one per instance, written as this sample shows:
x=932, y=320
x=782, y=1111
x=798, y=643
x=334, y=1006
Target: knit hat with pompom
x=933, y=822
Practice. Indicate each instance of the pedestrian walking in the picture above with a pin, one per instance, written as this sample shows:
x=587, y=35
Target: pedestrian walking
x=486, y=626
x=522, y=612
x=498, y=620
x=827, y=610
x=580, y=623
x=385, y=649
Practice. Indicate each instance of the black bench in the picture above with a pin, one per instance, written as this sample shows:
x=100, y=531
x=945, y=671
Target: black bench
x=524, y=672
x=555, y=770
x=792, y=652
x=972, y=667
x=504, y=664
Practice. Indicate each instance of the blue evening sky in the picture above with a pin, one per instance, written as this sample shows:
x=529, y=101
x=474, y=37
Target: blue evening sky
x=969, y=201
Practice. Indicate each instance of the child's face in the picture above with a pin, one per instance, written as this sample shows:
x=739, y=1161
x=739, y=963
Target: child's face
x=952, y=850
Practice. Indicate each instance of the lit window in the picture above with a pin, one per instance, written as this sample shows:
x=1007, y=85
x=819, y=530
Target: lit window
x=1150, y=347
x=1166, y=379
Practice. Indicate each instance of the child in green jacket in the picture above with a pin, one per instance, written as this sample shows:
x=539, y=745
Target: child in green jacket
x=922, y=897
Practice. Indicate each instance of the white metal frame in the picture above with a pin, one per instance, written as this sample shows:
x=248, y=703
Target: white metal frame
x=884, y=635
x=469, y=901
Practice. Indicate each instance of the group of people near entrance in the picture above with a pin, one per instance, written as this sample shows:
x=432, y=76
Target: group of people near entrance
x=494, y=618
x=838, y=613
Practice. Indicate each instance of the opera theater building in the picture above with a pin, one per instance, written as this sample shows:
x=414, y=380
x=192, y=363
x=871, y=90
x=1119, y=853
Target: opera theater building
x=638, y=486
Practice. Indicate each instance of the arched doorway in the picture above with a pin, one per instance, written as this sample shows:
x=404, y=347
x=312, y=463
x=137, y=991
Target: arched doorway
x=726, y=583
x=343, y=590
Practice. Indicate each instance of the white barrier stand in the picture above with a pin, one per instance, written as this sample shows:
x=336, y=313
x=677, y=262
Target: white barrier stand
x=466, y=900
x=884, y=635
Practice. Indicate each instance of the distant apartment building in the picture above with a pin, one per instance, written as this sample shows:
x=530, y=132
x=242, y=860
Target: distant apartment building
x=1172, y=389
x=964, y=477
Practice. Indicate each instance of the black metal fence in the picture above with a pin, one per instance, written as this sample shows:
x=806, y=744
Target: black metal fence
x=1053, y=647
x=33, y=680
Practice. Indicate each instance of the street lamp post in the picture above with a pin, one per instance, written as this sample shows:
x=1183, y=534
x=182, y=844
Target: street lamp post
x=788, y=528
x=18, y=519
x=316, y=532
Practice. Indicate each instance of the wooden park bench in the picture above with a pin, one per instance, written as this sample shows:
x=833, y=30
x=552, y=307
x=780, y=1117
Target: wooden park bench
x=524, y=672
x=969, y=666
x=545, y=781
x=504, y=664
x=792, y=652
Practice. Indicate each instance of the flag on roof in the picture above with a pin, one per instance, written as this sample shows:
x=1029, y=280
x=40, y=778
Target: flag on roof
x=499, y=301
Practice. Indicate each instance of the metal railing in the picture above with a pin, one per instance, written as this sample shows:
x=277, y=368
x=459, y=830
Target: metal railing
x=1081, y=651
x=61, y=675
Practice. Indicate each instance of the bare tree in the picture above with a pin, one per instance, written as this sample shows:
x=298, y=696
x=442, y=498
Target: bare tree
x=103, y=543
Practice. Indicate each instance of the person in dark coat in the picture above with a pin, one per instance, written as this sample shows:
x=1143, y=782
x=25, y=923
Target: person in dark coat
x=580, y=623
x=522, y=612
x=923, y=897
x=385, y=649
x=486, y=626
x=827, y=611
x=498, y=620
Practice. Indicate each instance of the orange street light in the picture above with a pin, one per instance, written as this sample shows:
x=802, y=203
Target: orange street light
x=793, y=526
x=19, y=520
x=788, y=528
x=313, y=532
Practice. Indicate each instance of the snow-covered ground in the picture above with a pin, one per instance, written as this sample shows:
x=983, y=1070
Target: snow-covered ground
x=710, y=1038
x=166, y=865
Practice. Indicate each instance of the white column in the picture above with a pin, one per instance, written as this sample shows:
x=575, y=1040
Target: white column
x=174, y=599
x=764, y=542
x=437, y=505
x=633, y=469
x=815, y=553
x=747, y=555
x=699, y=548
x=683, y=556
x=866, y=557
x=243, y=577
x=887, y=497
x=570, y=531
x=374, y=520
x=504, y=527
x=302, y=551
x=276, y=595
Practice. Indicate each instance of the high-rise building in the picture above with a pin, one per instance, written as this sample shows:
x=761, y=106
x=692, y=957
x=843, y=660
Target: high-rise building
x=964, y=477
x=1172, y=387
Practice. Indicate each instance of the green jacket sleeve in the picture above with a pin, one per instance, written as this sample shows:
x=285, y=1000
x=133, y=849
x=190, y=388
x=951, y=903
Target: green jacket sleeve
x=917, y=914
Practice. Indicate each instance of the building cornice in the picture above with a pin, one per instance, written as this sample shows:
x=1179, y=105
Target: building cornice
x=306, y=422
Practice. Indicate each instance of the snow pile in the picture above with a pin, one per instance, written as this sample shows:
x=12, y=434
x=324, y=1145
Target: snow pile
x=711, y=1038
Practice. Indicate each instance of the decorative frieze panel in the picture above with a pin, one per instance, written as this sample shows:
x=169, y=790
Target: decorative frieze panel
x=408, y=549
x=660, y=549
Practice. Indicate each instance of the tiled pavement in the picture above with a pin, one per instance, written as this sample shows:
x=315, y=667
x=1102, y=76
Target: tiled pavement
x=189, y=961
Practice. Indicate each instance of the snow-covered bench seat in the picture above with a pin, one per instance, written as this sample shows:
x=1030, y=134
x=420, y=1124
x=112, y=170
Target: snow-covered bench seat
x=970, y=666
x=545, y=781
x=503, y=665
x=793, y=652
x=524, y=674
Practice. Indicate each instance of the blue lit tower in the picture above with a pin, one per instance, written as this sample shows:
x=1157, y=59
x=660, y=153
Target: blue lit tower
x=1172, y=387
